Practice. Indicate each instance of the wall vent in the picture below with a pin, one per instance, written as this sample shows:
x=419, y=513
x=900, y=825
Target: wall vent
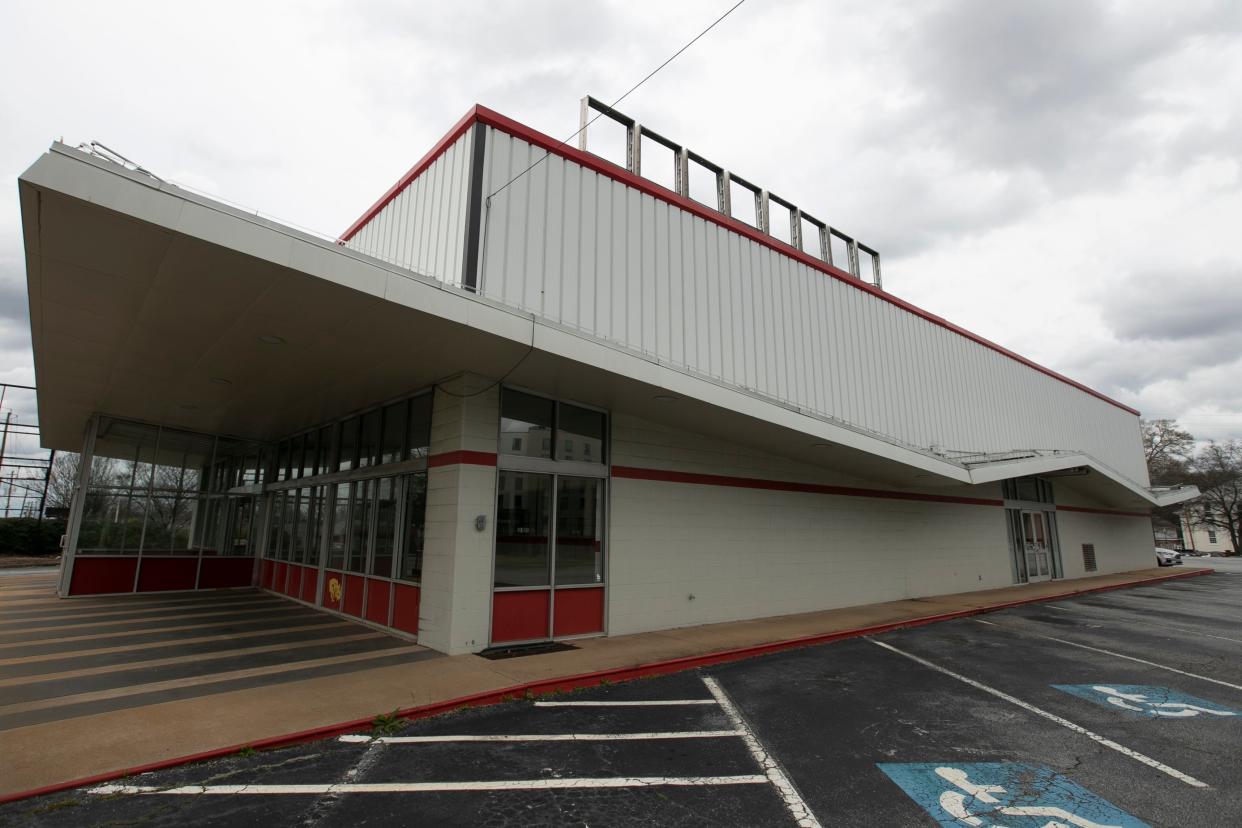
x=1088, y=557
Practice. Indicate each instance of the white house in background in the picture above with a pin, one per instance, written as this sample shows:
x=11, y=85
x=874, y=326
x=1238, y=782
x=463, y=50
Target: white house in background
x=532, y=394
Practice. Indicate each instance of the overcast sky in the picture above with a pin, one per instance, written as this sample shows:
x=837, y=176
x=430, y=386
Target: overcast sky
x=1060, y=177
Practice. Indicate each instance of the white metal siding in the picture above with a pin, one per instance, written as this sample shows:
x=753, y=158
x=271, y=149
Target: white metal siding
x=585, y=251
x=424, y=228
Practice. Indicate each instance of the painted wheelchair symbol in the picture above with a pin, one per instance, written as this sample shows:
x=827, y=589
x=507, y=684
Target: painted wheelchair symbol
x=1004, y=795
x=957, y=802
x=1151, y=702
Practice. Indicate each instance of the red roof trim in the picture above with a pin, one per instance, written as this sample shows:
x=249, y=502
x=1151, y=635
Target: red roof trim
x=593, y=162
x=664, y=476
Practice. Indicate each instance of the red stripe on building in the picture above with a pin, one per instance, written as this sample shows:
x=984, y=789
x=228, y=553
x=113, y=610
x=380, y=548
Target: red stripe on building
x=462, y=458
x=603, y=167
x=664, y=476
x=1111, y=512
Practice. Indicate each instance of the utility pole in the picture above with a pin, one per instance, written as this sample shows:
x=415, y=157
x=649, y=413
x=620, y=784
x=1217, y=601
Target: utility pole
x=4, y=443
x=47, y=481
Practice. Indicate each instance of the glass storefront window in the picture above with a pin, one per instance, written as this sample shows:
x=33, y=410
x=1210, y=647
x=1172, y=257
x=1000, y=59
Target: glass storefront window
x=310, y=454
x=314, y=524
x=298, y=512
x=338, y=542
x=580, y=434
x=324, y=463
x=391, y=444
x=579, y=531
x=360, y=524
x=368, y=439
x=418, y=439
x=385, y=526
x=411, y=568
x=525, y=424
x=523, y=514
x=349, y=444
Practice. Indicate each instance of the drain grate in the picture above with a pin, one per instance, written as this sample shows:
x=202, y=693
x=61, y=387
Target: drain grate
x=519, y=650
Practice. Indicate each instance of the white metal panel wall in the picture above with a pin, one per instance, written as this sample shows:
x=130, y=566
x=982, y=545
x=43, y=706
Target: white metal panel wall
x=424, y=228
x=583, y=250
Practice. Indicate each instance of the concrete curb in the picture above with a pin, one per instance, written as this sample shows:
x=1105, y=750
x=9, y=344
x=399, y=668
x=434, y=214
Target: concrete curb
x=581, y=680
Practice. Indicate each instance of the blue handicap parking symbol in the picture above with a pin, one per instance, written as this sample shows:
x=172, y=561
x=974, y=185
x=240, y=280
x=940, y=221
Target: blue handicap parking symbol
x=1152, y=702
x=1009, y=794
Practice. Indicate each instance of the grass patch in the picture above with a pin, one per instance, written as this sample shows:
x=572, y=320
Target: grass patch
x=386, y=724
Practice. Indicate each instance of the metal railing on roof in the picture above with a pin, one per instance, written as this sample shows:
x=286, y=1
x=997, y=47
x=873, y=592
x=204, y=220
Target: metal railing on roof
x=800, y=222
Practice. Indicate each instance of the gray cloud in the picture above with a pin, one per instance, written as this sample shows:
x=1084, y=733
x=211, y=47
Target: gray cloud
x=1190, y=303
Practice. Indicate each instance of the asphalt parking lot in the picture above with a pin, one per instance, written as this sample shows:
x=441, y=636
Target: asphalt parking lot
x=1120, y=708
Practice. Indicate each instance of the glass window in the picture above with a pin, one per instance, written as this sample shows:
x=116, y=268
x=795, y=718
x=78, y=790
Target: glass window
x=359, y=524
x=583, y=428
x=349, y=444
x=419, y=436
x=315, y=520
x=300, y=512
x=310, y=456
x=522, y=529
x=275, y=505
x=282, y=461
x=579, y=531
x=339, y=539
x=385, y=526
x=368, y=440
x=415, y=524
x=324, y=463
x=524, y=416
x=297, y=446
x=243, y=513
x=394, y=433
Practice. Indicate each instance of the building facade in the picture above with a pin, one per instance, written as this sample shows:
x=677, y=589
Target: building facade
x=532, y=395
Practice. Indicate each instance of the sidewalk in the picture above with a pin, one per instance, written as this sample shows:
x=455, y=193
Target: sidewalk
x=103, y=745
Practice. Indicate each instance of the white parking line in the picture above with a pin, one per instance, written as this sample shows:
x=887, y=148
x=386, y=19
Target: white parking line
x=1052, y=717
x=655, y=703
x=798, y=809
x=544, y=737
x=1112, y=653
x=1159, y=624
x=434, y=787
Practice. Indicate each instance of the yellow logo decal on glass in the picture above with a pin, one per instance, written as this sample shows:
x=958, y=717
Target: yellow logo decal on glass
x=334, y=590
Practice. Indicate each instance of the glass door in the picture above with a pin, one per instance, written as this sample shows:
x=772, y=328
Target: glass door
x=549, y=564
x=1035, y=541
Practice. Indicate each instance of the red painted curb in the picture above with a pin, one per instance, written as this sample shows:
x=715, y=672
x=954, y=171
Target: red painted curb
x=655, y=668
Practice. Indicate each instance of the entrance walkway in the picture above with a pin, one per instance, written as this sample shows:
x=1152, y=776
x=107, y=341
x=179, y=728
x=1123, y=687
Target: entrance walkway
x=91, y=687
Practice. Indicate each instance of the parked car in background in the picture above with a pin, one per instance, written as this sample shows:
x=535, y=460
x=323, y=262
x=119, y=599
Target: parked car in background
x=1167, y=557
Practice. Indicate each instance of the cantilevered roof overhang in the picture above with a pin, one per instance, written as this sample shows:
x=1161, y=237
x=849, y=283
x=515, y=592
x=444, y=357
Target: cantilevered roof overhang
x=151, y=302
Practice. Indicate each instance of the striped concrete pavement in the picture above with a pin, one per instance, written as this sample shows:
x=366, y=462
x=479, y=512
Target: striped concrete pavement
x=63, y=659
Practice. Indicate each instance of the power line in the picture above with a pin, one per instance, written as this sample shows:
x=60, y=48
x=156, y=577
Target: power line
x=649, y=76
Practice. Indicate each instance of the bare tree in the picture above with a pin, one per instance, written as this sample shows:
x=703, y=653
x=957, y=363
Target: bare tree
x=1217, y=470
x=1168, y=448
x=64, y=479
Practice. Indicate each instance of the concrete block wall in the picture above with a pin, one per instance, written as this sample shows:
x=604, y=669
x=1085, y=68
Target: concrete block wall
x=1122, y=542
x=747, y=553
x=455, y=607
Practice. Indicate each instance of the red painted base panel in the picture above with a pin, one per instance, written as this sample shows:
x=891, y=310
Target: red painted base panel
x=405, y=608
x=352, y=605
x=162, y=574
x=221, y=573
x=379, y=594
x=99, y=576
x=519, y=616
x=578, y=612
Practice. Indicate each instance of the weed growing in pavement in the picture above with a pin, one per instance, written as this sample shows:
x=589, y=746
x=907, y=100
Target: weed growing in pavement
x=386, y=724
x=247, y=752
x=68, y=802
